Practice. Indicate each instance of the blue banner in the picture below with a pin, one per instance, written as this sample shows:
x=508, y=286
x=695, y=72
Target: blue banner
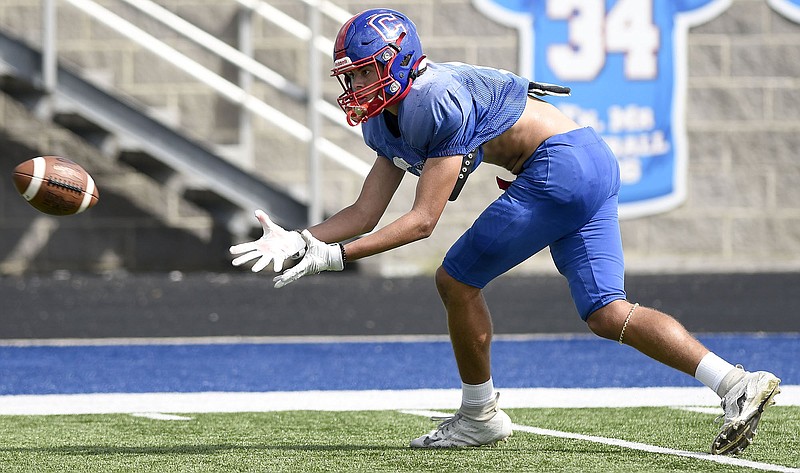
x=788, y=8
x=625, y=61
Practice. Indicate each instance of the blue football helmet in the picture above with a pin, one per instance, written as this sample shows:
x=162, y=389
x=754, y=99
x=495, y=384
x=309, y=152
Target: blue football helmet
x=386, y=39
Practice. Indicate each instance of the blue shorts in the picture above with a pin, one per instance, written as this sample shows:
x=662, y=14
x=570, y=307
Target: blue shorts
x=565, y=197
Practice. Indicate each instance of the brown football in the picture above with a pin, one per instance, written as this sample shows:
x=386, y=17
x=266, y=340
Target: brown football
x=55, y=185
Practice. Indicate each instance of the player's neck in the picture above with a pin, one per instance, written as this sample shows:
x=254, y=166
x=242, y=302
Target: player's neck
x=392, y=124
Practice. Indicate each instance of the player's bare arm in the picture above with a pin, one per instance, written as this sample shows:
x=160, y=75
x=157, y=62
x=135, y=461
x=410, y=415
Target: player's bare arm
x=433, y=190
x=363, y=215
x=283, y=248
x=435, y=184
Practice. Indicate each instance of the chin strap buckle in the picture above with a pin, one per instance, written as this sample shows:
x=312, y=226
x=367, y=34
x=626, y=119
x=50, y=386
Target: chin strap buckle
x=540, y=89
x=467, y=166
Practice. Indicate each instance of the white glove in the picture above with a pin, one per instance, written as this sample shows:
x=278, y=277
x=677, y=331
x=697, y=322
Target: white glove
x=319, y=257
x=276, y=245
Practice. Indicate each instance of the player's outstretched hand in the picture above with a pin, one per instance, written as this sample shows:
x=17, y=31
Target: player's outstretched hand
x=276, y=245
x=319, y=257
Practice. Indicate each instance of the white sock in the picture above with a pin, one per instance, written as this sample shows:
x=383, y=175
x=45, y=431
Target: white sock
x=477, y=395
x=712, y=370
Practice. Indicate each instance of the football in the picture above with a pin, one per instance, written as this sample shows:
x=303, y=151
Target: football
x=55, y=185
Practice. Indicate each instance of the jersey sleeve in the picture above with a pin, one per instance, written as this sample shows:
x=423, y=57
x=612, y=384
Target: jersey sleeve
x=372, y=137
x=439, y=122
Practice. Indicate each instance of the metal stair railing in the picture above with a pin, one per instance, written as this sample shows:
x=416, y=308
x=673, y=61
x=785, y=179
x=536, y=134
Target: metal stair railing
x=131, y=125
x=245, y=62
x=248, y=66
x=217, y=46
x=304, y=33
x=228, y=90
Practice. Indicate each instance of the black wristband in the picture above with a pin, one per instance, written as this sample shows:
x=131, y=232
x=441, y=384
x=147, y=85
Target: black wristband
x=344, y=254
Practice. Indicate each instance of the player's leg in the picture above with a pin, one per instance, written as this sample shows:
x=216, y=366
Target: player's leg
x=508, y=232
x=591, y=259
x=531, y=214
x=478, y=421
x=744, y=395
x=653, y=333
x=470, y=326
x=537, y=209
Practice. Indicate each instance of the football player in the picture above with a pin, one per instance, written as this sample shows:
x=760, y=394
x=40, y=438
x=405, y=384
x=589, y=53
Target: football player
x=439, y=121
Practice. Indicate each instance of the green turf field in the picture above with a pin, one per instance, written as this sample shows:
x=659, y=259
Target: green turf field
x=377, y=441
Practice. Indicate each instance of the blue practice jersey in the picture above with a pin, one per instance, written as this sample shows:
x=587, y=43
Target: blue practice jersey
x=451, y=109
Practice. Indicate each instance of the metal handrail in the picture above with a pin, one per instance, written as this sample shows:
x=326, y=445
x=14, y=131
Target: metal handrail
x=331, y=10
x=287, y=23
x=138, y=131
x=217, y=46
x=245, y=62
x=227, y=89
x=304, y=33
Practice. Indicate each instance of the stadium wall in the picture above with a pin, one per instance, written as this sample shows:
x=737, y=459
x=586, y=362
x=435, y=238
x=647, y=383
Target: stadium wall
x=742, y=211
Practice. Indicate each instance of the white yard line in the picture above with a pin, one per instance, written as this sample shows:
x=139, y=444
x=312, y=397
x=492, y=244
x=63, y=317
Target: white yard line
x=111, y=403
x=702, y=410
x=166, y=406
x=159, y=416
x=633, y=445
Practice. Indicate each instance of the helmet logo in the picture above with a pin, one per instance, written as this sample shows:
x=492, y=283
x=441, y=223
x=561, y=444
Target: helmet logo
x=387, y=25
x=341, y=62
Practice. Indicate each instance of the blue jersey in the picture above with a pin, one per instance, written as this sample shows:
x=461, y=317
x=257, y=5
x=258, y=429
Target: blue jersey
x=452, y=109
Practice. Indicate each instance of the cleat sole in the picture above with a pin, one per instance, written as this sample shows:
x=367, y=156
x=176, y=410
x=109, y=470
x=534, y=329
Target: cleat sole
x=740, y=433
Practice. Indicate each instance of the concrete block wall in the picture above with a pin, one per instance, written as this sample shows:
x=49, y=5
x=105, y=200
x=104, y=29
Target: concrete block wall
x=742, y=212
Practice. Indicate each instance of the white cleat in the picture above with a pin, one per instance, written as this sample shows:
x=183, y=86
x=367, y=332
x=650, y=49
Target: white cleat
x=743, y=406
x=462, y=431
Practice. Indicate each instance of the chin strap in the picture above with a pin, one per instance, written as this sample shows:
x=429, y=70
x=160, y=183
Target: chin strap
x=467, y=166
x=540, y=89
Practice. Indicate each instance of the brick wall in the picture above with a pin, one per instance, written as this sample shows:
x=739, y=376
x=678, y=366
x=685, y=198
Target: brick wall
x=742, y=210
